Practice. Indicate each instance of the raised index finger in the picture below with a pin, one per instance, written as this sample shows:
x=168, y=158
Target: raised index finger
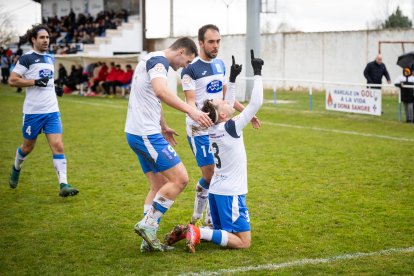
x=251, y=53
x=233, y=62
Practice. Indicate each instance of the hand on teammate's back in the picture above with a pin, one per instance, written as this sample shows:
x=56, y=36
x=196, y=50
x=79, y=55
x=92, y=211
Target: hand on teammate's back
x=257, y=64
x=235, y=70
x=41, y=82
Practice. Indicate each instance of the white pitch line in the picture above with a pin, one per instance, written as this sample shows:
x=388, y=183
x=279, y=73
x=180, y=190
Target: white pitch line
x=302, y=262
x=269, y=123
x=342, y=132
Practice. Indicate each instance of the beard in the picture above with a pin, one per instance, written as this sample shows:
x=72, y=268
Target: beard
x=211, y=55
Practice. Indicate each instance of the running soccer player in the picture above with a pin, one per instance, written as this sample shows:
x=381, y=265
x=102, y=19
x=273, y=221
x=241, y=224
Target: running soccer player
x=149, y=136
x=34, y=70
x=202, y=80
x=228, y=188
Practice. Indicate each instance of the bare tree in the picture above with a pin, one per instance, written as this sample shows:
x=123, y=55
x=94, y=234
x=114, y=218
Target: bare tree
x=7, y=32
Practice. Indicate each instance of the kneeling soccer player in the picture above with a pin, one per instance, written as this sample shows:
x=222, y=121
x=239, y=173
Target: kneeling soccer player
x=228, y=188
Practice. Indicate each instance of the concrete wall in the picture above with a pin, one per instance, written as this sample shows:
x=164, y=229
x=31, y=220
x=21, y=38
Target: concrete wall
x=329, y=56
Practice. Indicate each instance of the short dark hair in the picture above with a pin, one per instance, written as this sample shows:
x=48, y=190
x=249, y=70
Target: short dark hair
x=202, y=31
x=186, y=43
x=32, y=33
x=210, y=108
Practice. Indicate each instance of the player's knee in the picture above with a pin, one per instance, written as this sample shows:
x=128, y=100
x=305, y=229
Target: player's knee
x=57, y=147
x=182, y=181
x=26, y=149
x=244, y=243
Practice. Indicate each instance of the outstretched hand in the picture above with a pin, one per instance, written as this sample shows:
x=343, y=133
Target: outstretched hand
x=257, y=64
x=168, y=134
x=235, y=70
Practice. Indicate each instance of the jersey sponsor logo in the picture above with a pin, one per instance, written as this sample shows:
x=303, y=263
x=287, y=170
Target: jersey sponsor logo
x=214, y=86
x=46, y=73
x=159, y=67
x=186, y=79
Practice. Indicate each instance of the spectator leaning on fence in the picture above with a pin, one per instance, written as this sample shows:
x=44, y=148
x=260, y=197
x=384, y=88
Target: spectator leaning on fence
x=407, y=94
x=375, y=70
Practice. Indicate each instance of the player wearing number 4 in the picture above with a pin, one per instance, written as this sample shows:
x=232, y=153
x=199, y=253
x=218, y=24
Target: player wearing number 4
x=150, y=138
x=202, y=80
x=228, y=188
x=34, y=70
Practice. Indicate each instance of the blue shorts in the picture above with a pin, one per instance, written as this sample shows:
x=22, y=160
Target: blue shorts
x=154, y=152
x=229, y=213
x=34, y=124
x=200, y=145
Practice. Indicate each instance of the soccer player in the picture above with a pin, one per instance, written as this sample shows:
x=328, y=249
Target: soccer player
x=205, y=79
x=148, y=134
x=34, y=70
x=228, y=188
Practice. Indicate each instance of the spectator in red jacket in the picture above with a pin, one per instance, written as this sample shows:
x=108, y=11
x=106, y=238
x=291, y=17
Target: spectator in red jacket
x=103, y=72
x=126, y=77
x=112, y=80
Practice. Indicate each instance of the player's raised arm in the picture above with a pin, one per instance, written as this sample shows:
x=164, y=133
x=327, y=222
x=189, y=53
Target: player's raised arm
x=256, y=99
x=235, y=70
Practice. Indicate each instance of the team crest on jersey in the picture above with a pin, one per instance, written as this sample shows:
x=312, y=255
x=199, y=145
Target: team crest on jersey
x=159, y=67
x=186, y=79
x=49, y=60
x=214, y=86
x=46, y=73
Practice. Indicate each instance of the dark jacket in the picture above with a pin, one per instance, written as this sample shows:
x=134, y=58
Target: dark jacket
x=374, y=72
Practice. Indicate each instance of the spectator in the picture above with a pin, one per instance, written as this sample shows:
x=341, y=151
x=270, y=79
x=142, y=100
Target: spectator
x=62, y=75
x=112, y=80
x=407, y=94
x=72, y=80
x=12, y=65
x=103, y=72
x=5, y=67
x=375, y=70
x=126, y=77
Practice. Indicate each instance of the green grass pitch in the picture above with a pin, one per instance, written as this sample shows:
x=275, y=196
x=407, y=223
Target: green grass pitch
x=321, y=185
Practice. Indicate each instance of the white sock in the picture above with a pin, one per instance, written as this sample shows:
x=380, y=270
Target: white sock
x=20, y=157
x=59, y=162
x=147, y=207
x=206, y=233
x=207, y=219
x=201, y=198
x=219, y=237
x=160, y=205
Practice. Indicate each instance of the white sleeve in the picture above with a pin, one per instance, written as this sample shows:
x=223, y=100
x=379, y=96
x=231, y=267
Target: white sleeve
x=231, y=93
x=19, y=69
x=187, y=82
x=398, y=80
x=256, y=101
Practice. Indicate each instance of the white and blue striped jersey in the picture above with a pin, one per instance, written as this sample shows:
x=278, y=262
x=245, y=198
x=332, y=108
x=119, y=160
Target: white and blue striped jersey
x=207, y=79
x=33, y=66
x=144, y=107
